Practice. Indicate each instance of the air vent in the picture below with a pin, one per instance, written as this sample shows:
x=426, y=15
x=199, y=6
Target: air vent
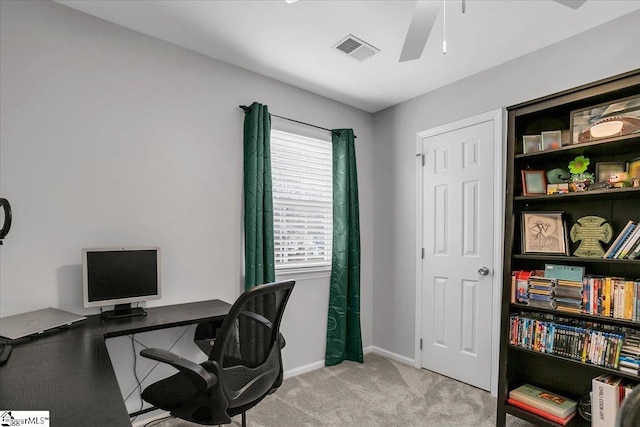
x=356, y=48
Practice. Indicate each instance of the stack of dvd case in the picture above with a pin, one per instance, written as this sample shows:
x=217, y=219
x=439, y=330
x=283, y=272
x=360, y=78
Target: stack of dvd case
x=630, y=353
x=569, y=296
x=542, y=292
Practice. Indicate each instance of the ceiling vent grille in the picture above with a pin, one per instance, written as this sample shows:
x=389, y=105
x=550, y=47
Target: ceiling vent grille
x=356, y=48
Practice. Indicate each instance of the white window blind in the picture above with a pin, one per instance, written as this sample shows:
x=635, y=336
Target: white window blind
x=302, y=201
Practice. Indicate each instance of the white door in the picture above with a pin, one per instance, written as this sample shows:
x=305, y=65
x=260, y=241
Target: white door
x=458, y=239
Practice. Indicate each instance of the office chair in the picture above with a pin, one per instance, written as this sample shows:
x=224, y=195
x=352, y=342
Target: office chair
x=629, y=412
x=244, y=366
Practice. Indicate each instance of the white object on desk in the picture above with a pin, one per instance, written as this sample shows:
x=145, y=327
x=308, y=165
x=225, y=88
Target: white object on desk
x=35, y=322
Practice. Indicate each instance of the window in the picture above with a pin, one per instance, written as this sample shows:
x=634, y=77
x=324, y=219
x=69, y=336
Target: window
x=301, y=166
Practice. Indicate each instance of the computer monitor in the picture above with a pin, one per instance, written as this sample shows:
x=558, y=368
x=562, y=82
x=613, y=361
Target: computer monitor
x=119, y=277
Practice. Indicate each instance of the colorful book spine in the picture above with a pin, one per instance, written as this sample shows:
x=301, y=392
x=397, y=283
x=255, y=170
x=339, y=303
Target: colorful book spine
x=589, y=345
x=618, y=241
x=630, y=243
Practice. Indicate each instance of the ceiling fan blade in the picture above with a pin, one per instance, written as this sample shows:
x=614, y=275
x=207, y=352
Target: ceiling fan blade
x=573, y=4
x=424, y=16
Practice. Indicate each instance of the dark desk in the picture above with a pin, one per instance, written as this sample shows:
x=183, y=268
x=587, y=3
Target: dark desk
x=68, y=371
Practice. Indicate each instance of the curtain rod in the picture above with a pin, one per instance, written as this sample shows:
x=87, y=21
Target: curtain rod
x=245, y=108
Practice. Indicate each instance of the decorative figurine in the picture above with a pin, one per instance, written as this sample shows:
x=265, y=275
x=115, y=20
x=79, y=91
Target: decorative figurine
x=580, y=178
x=619, y=180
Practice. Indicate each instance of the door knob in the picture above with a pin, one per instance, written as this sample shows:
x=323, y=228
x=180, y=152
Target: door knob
x=483, y=271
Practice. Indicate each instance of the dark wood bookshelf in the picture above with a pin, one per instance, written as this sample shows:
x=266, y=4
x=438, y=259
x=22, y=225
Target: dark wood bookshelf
x=562, y=375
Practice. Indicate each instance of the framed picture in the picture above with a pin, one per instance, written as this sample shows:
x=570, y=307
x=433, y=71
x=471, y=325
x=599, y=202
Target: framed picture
x=605, y=169
x=533, y=182
x=544, y=233
x=530, y=143
x=551, y=140
x=633, y=168
x=608, y=120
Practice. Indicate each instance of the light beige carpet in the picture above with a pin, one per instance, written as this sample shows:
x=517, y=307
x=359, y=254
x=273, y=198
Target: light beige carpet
x=380, y=392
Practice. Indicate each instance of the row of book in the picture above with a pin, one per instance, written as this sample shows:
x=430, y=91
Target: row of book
x=611, y=297
x=581, y=343
x=607, y=394
x=627, y=244
x=614, y=297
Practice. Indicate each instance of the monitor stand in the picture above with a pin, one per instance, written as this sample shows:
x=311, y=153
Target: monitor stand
x=121, y=311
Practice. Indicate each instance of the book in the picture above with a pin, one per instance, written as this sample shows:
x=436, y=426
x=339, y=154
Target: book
x=630, y=243
x=629, y=300
x=571, y=273
x=544, y=400
x=605, y=400
x=618, y=241
x=540, y=412
x=635, y=251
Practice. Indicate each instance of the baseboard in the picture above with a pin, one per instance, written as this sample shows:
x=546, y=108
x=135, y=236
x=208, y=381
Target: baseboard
x=370, y=349
x=304, y=369
x=390, y=355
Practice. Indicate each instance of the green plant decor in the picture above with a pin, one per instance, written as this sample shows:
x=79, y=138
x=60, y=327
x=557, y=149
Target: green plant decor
x=579, y=175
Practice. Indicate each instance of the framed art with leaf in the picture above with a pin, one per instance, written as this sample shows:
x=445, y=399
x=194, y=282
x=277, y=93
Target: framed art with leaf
x=544, y=233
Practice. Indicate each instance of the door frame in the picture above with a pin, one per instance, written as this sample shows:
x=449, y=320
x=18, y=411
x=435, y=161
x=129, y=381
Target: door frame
x=498, y=119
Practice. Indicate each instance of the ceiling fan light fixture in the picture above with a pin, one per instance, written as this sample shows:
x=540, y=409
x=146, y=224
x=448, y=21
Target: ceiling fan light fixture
x=424, y=16
x=573, y=4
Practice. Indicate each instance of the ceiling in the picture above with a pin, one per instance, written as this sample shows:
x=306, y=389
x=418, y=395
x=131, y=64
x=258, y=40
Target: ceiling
x=293, y=42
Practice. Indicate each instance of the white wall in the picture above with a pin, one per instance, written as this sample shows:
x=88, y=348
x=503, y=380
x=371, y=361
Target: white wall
x=604, y=51
x=112, y=138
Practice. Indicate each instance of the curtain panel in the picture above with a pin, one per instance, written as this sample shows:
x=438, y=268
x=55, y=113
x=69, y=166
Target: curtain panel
x=258, y=198
x=344, y=336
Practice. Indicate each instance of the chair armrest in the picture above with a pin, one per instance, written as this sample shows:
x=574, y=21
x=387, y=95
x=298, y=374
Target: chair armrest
x=200, y=377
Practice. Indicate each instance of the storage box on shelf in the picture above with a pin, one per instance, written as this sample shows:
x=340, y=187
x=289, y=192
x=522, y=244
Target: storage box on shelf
x=561, y=370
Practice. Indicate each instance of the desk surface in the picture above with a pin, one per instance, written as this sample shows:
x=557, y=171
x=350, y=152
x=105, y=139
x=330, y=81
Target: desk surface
x=68, y=371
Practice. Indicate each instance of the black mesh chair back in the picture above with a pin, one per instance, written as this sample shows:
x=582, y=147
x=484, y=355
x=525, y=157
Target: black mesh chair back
x=244, y=366
x=247, y=347
x=629, y=413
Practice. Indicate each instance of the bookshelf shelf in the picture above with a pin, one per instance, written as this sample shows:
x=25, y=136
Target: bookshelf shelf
x=577, y=421
x=599, y=369
x=587, y=317
x=618, y=193
x=575, y=259
x=624, y=143
x=618, y=206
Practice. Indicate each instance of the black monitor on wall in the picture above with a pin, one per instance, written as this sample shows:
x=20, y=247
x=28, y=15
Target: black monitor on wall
x=120, y=276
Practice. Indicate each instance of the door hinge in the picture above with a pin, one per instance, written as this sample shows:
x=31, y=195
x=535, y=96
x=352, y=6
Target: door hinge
x=421, y=155
x=422, y=253
x=420, y=343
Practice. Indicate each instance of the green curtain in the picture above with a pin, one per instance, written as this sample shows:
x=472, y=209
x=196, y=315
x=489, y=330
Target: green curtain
x=344, y=337
x=258, y=197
